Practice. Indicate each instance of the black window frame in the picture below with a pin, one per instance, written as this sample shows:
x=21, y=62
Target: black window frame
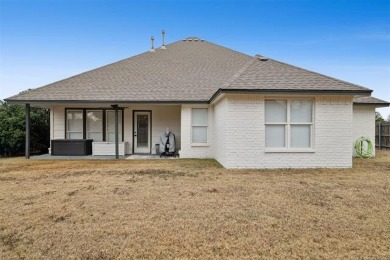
x=85, y=121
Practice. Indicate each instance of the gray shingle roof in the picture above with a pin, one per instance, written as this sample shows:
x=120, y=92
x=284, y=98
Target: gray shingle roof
x=360, y=100
x=268, y=74
x=191, y=70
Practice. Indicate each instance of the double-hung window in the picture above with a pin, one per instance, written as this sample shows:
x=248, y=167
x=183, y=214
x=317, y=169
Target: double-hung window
x=199, y=125
x=110, y=125
x=74, y=124
x=94, y=124
x=289, y=123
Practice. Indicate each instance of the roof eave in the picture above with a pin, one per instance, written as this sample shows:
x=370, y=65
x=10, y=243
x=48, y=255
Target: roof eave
x=53, y=102
x=362, y=92
x=215, y=95
x=371, y=104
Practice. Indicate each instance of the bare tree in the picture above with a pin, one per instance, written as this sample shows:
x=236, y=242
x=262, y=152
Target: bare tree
x=378, y=117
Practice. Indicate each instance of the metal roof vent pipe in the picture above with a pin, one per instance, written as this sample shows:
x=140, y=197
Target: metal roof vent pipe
x=152, y=40
x=163, y=40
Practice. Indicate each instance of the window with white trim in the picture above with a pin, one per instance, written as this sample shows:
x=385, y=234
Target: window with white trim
x=94, y=125
x=288, y=123
x=74, y=124
x=199, y=125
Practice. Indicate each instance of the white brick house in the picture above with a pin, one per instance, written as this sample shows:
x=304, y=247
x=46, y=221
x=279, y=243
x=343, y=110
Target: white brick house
x=244, y=111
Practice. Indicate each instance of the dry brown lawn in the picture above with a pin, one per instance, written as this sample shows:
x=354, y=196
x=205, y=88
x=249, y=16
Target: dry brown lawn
x=104, y=209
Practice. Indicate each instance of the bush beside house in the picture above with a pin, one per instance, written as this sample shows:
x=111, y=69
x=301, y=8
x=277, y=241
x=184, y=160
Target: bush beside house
x=12, y=129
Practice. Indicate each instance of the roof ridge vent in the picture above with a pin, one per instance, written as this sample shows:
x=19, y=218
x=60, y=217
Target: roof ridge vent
x=261, y=58
x=193, y=39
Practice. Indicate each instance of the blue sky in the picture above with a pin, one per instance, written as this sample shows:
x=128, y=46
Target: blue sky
x=42, y=41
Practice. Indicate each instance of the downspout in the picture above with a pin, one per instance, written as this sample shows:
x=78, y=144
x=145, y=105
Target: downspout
x=27, y=151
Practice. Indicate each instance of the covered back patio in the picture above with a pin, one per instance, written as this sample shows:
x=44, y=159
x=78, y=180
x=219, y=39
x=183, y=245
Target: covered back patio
x=105, y=131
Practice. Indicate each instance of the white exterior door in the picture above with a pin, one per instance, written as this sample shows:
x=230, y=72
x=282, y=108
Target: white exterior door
x=142, y=133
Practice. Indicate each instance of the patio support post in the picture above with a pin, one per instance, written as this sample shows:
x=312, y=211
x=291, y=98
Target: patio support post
x=116, y=132
x=27, y=151
x=379, y=136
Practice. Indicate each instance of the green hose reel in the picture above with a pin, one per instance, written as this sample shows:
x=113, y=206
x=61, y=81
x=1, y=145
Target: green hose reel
x=363, y=147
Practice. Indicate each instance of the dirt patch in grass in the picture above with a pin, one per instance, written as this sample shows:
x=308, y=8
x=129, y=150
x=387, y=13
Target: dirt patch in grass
x=158, y=209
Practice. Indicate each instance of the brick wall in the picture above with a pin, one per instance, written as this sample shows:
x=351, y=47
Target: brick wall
x=245, y=135
x=236, y=132
x=221, y=131
x=363, y=124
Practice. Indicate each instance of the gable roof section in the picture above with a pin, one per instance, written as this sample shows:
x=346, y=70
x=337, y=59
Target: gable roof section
x=191, y=70
x=267, y=74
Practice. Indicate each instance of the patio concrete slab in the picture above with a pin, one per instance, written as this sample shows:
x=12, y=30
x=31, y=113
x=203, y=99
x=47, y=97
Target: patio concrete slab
x=101, y=157
x=148, y=157
x=68, y=157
